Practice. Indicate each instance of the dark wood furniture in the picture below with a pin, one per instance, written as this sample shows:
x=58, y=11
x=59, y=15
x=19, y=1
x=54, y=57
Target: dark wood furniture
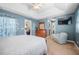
x=41, y=31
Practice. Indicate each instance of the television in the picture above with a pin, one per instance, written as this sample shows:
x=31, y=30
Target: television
x=63, y=21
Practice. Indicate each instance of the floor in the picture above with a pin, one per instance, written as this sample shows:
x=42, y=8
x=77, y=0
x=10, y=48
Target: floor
x=58, y=49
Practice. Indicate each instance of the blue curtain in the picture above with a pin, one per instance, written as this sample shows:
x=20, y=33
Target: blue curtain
x=7, y=26
x=77, y=24
x=77, y=27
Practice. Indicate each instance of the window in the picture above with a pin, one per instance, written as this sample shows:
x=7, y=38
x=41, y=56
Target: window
x=7, y=26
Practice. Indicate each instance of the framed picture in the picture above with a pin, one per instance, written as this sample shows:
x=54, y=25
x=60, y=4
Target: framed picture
x=41, y=25
x=28, y=27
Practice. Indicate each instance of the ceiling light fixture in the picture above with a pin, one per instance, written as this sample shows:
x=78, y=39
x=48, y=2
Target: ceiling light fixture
x=36, y=6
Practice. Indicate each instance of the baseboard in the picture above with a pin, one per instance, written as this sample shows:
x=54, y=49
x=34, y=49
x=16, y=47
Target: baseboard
x=73, y=42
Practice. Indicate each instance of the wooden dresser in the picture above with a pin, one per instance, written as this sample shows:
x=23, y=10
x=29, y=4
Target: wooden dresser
x=41, y=31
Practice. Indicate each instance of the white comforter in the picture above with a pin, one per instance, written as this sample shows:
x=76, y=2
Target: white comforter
x=23, y=45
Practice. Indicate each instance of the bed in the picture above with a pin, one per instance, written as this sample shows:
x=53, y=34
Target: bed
x=23, y=45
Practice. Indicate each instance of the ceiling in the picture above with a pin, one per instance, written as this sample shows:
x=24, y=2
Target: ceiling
x=46, y=10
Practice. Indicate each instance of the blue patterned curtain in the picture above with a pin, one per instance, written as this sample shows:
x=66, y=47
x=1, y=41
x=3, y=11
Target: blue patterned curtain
x=77, y=24
x=77, y=27
x=7, y=26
